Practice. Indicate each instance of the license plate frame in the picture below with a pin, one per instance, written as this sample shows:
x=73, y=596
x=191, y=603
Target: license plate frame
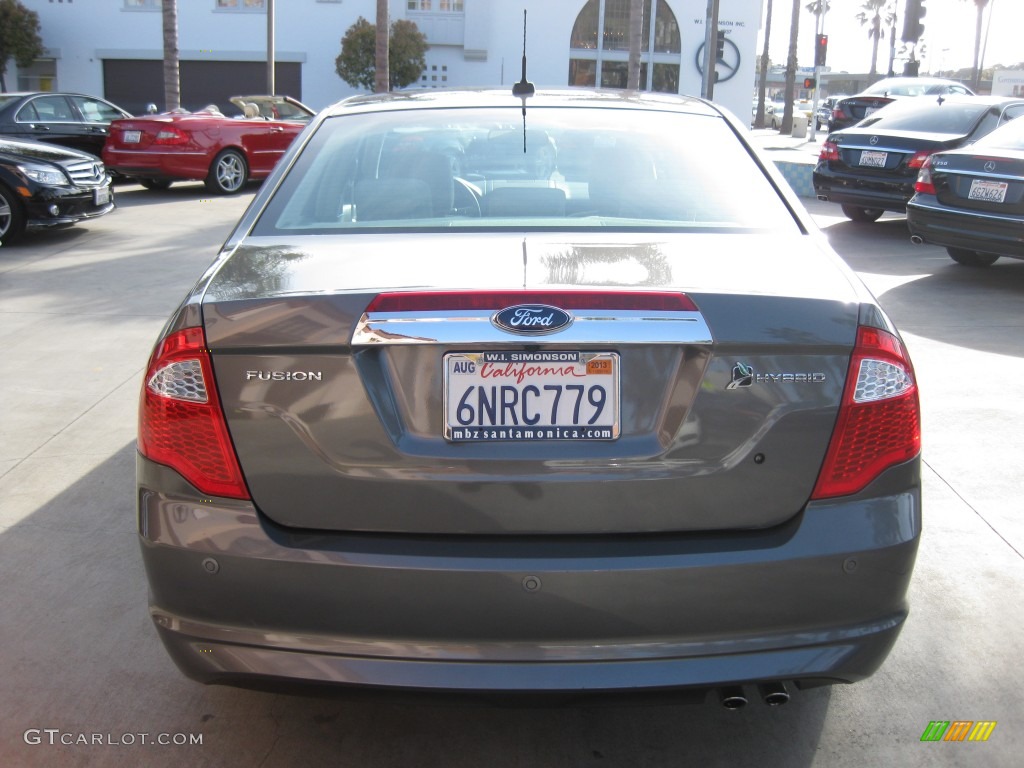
x=131, y=137
x=870, y=158
x=520, y=396
x=988, y=191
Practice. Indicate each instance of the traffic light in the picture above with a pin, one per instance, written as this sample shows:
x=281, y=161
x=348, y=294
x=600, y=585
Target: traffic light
x=720, y=45
x=809, y=83
x=913, y=29
x=820, y=49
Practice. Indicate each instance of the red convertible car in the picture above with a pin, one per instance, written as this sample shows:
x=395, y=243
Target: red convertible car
x=225, y=152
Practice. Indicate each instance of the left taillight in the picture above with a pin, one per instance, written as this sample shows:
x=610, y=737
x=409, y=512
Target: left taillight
x=829, y=151
x=181, y=423
x=879, y=424
x=171, y=136
x=925, y=183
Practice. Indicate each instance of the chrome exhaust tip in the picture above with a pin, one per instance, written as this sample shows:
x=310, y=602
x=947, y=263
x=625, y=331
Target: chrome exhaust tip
x=773, y=694
x=732, y=697
x=916, y=239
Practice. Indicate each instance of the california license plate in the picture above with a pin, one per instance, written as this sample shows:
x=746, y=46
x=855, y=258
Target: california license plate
x=988, y=191
x=131, y=137
x=101, y=196
x=873, y=159
x=505, y=396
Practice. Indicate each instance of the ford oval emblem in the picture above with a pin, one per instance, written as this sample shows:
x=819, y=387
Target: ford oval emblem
x=532, y=319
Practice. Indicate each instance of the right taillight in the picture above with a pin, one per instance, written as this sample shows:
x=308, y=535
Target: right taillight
x=181, y=423
x=924, y=181
x=879, y=424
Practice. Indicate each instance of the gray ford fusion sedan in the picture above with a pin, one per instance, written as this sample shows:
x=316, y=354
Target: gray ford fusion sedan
x=555, y=393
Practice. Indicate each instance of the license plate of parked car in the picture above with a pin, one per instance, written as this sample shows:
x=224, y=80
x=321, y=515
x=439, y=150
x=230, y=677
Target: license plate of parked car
x=131, y=137
x=989, y=191
x=873, y=159
x=518, y=395
x=101, y=196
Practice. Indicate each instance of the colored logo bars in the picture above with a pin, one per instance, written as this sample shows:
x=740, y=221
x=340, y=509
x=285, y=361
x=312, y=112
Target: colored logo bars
x=958, y=730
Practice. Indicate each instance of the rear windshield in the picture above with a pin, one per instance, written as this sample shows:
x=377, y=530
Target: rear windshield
x=948, y=117
x=1009, y=136
x=559, y=168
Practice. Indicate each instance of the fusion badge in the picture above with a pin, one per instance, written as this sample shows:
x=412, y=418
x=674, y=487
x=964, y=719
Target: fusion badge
x=532, y=319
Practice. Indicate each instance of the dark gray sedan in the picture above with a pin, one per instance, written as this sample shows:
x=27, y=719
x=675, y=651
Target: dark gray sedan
x=621, y=422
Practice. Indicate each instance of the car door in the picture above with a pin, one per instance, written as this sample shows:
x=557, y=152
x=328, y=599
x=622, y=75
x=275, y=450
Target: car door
x=50, y=118
x=95, y=116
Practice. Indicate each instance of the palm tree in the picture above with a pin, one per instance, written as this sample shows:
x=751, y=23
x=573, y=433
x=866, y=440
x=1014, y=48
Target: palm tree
x=791, y=63
x=762, y=75
x=636, y=34
x=172, y=81
x=871, y=14
x=382, y=77
x=980, y=5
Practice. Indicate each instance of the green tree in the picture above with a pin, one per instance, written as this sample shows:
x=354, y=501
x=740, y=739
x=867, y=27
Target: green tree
x=407, y=50
x=19, y=37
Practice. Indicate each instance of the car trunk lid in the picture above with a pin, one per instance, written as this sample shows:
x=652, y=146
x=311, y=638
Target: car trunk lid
x=340, y=369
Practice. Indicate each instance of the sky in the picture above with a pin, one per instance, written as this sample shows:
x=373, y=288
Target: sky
x=949, y=35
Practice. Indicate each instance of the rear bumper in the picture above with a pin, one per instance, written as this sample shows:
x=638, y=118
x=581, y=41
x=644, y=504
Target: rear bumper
x=237, y=599
x=970, y=230
x=861, y=191
x=161, y=164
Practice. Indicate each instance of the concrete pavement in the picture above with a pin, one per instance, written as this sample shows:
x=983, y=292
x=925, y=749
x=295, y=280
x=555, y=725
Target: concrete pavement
x=79, y=657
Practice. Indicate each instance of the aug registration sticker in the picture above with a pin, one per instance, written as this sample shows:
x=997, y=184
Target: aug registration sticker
x=517, y=395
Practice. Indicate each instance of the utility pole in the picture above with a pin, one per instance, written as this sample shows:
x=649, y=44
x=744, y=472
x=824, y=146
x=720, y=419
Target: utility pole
x=707, y=83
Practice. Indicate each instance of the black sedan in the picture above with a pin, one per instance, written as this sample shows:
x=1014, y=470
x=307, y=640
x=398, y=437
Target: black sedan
x=68, y=119
x=971, y=200
x=871, y=168
x=849, y=110
x=44, y=186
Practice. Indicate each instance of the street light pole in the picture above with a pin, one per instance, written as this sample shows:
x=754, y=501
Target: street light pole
x=271, y=53
x=819, y=27
x=707, y=82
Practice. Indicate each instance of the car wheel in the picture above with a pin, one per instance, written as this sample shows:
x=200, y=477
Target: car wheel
x=156, y=184
x=862, y=215
x=228, y=173
x=12, y=217
x=971, y=258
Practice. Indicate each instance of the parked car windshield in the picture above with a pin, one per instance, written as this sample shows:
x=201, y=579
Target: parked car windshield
x=950, y=117
x=559, y=168
x=902, y=87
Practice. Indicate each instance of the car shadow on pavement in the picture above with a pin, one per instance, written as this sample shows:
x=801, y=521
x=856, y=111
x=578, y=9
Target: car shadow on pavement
x=84, y=658
x=131, y=195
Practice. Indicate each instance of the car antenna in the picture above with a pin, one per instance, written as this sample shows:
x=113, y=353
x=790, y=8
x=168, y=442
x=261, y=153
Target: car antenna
x=524, y=89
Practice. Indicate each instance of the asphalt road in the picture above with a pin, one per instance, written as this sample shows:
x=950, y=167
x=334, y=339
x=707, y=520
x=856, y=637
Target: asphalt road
x=80, y=662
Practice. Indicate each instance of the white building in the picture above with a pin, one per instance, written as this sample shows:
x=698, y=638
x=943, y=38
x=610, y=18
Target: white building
x=114, y=48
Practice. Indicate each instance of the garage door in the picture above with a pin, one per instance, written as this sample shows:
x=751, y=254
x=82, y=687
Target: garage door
x=134, y=83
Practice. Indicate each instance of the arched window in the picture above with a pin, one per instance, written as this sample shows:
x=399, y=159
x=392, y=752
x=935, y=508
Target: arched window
x=599, y=46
